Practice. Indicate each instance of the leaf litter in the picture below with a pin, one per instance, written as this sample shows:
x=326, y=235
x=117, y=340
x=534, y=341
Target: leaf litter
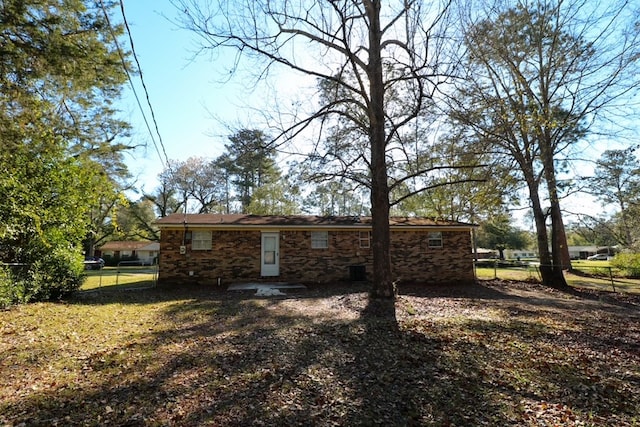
x=497, y=353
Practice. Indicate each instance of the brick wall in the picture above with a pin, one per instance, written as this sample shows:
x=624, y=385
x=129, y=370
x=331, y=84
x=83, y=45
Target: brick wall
x=235, y=256
x=298, y=261
x=413, y=259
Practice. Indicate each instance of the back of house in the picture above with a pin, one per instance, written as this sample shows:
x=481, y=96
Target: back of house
x=213, y=248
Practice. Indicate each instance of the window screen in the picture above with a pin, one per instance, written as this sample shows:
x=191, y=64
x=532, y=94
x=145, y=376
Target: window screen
x=319, y=239
x=201, y=240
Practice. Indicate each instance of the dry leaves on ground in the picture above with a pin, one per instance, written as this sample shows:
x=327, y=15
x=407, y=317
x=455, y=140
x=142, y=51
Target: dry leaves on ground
x=492, y=354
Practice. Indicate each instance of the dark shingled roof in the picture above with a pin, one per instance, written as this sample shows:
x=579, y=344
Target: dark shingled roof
x=296, y=220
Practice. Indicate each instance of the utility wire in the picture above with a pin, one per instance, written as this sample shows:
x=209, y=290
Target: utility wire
x=135, y=57
x=162, y=154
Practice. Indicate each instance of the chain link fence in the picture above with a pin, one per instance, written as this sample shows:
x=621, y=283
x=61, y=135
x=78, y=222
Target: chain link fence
x=126, y=275
x=602, y=277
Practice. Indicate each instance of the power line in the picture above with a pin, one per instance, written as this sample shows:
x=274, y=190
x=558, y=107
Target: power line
x=135, y=57
x=162, y=154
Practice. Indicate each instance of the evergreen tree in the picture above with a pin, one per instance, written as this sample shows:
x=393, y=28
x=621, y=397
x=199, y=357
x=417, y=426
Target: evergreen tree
x=251, y=163
x=134, y=221
x=498, y=233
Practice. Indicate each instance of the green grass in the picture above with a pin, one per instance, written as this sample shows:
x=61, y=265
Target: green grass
x=596, y=276
x=589, y=263
x=133, y=277
x=618, y=284
x=514, y=273
x=481, y=355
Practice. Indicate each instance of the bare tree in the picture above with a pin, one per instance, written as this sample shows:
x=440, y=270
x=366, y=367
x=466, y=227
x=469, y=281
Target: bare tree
x=541, y=75
x=201, y=184
x=367, y=53
x=164, y=195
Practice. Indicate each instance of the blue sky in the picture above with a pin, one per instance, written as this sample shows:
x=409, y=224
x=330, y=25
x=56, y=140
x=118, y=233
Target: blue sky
x=193, y=107
x=184, y=94
x=182, y=91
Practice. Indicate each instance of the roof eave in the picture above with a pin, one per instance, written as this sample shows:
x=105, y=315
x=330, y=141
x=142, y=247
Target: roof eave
x=361, y=227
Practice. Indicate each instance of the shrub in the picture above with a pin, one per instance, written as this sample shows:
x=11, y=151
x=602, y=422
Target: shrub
x=59, y=273
x=627, y=263
x=54, y=275
x=5, y=287
x=14, y=284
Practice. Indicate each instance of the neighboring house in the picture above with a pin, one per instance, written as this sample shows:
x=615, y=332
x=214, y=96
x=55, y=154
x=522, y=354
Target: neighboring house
x=520, y=253
x=143, y=251
x=575, y=252
x=582, y=252
x=211, y=248
x=484, y=253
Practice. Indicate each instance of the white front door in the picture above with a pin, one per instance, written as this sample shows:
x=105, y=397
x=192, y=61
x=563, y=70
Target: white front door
x=269, y=261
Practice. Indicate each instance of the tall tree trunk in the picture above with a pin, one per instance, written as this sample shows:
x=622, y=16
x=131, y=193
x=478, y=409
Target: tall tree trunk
x=546, y=268
x=626, y=229
x=559, y=248
x=560, y=237
x=383, y=286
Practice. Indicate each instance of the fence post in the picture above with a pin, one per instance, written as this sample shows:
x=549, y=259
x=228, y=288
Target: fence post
x=155, y=274
x=611, y=277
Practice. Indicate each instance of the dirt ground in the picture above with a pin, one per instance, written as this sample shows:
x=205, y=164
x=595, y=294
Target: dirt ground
x=495, y=353
x=512, y=295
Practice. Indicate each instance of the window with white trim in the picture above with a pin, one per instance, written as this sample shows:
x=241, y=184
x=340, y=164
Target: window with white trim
x=434, y=239
x=201, y=240
x=364, y=239
x=319, y=239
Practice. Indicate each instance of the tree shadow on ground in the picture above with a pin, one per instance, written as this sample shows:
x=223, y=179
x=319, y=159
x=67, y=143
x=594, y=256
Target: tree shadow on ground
x=133, y=294
x=527, y=293
x=233, y=359
x=255, y=362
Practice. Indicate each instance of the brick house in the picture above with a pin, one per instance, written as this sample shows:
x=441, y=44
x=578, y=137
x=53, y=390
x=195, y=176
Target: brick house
x=144, y=251
x=212, y=248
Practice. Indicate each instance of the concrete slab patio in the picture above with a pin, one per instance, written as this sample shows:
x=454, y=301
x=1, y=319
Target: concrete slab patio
x=265, y=289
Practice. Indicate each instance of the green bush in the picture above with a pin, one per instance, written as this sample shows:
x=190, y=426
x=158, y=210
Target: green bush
x=5, y=287
x=14, y=285
x=627, y=263
x=54, y=275
x=59, y=274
